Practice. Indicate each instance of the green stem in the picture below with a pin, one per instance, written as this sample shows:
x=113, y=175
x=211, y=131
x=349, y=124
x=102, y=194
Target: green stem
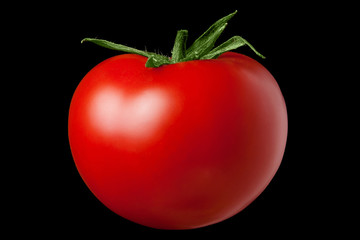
x=202, y=48
x=179, y=50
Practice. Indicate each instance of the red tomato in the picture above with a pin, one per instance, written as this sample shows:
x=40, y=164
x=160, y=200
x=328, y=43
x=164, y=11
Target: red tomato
x=180, y=146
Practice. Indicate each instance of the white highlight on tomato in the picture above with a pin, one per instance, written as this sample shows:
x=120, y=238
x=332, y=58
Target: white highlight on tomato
x=134, y=116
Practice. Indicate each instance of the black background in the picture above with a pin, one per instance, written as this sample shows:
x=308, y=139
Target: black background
x=298, y=40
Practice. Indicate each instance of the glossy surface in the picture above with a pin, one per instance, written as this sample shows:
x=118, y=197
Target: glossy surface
x=180, y=146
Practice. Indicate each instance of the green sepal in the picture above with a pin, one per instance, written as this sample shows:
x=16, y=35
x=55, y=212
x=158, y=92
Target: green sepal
x=116, y=46
x=207, y=40
x=154, y=60
x=179, y=49
x=231, y=44
x=202, y=48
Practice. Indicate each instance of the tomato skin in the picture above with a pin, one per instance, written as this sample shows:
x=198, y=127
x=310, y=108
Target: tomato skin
x=180, y=146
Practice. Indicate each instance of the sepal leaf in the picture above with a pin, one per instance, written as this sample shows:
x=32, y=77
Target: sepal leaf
x=231, y=44
x=207, y=40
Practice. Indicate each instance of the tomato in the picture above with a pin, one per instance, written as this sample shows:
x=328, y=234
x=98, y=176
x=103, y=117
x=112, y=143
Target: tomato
x=179, y=146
